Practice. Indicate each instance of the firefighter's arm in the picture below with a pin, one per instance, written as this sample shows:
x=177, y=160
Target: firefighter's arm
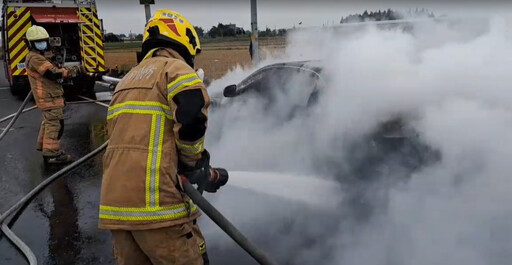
x=47, y=69
x=189, y=103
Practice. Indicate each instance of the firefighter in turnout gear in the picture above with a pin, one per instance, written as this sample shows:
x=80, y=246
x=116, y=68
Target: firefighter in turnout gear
x=45, y=82
x=156, y=123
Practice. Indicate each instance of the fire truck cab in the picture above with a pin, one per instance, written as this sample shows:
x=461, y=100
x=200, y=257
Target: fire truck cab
x=76, y=37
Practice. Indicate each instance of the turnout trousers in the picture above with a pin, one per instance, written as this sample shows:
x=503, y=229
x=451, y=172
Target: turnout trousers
x=175, y=245
x=50, y=132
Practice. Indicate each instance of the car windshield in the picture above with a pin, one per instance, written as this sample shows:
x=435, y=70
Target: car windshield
x=291, y=83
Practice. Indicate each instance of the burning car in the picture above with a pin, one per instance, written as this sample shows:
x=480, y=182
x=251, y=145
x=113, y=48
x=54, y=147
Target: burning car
x=291, y=90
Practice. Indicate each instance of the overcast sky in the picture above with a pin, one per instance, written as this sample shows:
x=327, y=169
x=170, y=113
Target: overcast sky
x=123, y=16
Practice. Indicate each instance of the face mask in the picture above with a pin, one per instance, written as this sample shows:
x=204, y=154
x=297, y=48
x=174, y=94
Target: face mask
x=41, y=45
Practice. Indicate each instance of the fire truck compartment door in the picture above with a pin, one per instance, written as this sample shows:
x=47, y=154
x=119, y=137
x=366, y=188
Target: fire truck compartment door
x=55, y=15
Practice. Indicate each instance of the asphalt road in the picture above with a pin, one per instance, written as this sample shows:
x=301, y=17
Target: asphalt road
x=60, y=225
x=3, y=80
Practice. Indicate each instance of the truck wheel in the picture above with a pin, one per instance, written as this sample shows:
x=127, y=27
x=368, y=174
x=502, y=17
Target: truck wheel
x=20, y=86
x=15, y=90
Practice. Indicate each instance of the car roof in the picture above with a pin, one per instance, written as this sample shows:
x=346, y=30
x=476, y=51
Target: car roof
x=308, y=65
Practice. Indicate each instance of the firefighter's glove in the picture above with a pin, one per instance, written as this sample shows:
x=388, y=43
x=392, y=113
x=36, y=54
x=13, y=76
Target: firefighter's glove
x=197, y=174
x=73, y=71
x=207, y=178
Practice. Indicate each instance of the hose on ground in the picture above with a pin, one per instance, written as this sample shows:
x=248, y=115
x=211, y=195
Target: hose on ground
x=29, y=255
x=16, y=115
x=48, y=181
x=8, y=117
x=23, y=203
x=260, y=256
x=99, y=102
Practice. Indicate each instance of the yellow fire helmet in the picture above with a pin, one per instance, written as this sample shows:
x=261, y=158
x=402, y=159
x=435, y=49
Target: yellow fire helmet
x=36, y=33
x=170, y=29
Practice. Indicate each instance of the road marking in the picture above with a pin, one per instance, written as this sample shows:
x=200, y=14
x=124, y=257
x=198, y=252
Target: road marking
x=3, y=129
x=4, y=88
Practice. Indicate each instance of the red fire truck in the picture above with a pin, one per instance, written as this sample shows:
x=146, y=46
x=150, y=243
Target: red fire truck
x=75, y=31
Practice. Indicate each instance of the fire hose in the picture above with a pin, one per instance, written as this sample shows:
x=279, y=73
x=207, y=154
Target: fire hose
x=18, y=208
x=31, y=195
x=16, y=115
x=226, y=225
x=196, y=197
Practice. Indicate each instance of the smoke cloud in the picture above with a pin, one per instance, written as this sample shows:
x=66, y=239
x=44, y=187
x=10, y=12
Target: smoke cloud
x=448, y=82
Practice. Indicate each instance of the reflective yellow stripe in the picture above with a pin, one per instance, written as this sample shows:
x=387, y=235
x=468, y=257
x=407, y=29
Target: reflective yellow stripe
x=84, y=18
x=11, y=9
x=20, y=35
x=16, y=50
x=19, y=23
x=20, y=58
x=154, y=159
x=140, y=103
x=99, y=51
x=147, y=214
x=134, y=111
x=160, y=144
x=90, y=42
x=158, y=111
x=91, y=20
x=96, y=63
x=150, y=53
x=139, y=107
x=91, y=62
x=149, y=169
x=19, y=71
x=193, y=149
x=181, y=82
x=202, y=247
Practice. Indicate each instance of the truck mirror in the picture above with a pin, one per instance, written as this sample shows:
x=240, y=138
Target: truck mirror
x=230, y=91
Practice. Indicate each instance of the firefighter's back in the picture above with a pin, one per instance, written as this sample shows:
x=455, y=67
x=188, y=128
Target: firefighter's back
x=140, y=164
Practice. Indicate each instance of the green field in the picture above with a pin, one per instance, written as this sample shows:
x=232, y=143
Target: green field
x=132, y=45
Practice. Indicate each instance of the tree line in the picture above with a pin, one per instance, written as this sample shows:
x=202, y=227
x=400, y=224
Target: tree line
x=218, y=31
x=231, y=30
x=387, y=15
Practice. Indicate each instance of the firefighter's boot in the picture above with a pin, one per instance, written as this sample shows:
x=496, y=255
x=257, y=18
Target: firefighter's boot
x=62, y=158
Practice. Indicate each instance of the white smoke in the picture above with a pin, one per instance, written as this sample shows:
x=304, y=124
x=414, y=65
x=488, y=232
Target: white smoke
x=451, y=82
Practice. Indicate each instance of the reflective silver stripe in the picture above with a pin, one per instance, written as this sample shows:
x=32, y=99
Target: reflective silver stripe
x=155, y=161
x=115, y=111
x=155, y=213
x=181, y=82
x=148, y=214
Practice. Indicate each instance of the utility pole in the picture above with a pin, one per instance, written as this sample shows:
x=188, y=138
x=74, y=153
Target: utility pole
x=254, y=33
x=148, y=12
x=147, y=7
